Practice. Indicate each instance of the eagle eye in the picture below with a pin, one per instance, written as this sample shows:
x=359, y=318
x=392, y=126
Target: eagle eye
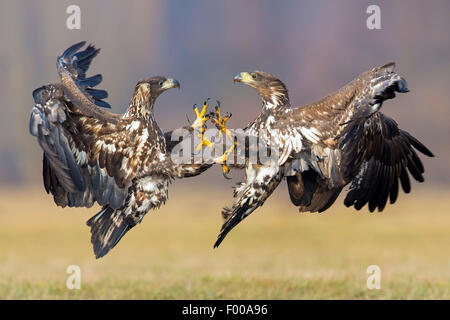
x=160, y=83
x=253, y=76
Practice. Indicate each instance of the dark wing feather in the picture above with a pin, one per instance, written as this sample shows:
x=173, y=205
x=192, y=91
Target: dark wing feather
x=75, y=142
x=72, y=67
x=45, y=124
x=386, y=156
x=80, y=90
x=75, y=147
x=353, y=142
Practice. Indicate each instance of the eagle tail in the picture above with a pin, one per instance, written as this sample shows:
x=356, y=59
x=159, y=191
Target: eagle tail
x=254, y=195
x=234, y=217
x=226, y=213
x=107, y=228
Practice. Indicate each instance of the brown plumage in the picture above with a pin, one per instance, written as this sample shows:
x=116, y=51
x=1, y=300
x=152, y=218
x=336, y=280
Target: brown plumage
x=339, y=140
x=122, y=162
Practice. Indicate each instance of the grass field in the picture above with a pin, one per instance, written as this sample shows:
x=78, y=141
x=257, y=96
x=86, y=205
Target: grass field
x=276, y=253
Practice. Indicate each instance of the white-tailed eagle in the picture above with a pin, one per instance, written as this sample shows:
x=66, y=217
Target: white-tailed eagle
x=339, y=140
x=122, y=162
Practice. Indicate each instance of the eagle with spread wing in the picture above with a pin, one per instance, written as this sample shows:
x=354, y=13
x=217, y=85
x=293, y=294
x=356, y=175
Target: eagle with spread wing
x=339, y=140
x=122, y=162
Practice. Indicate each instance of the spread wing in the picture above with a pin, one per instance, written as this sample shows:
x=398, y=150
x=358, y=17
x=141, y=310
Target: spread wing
x=385, y=155
x=86, y=150
x=344, y=138
x=72, y=66
x=313, y=132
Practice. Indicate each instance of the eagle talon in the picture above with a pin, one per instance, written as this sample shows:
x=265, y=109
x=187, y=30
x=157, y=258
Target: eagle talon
x=221, y=122
x=221, y=125
x=225, y=171
x=202, y=117
x=199, y=125
x=223, y=159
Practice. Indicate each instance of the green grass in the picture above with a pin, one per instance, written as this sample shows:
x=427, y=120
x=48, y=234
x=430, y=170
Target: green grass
x=276, y=253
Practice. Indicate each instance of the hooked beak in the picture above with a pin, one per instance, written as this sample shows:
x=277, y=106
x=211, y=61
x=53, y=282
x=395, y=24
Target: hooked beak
x=243, y=77
x=170, y=83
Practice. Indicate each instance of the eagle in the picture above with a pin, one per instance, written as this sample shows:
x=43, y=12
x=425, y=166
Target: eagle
x=122, y=162
x=340, y=140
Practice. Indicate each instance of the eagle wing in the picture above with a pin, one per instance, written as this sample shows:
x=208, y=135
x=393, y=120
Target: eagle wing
x=72, y=66
x=346, y=139
x=383, y=156
x=84, y=147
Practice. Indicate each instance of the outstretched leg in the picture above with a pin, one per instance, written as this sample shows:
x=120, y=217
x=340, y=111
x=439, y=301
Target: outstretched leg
x=220, y=123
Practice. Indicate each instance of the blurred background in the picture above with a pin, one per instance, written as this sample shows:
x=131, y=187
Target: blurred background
x=315, y=47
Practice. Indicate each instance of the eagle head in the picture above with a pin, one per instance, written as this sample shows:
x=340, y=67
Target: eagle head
x=146, y=92
x=272, y=91
x=152, y=87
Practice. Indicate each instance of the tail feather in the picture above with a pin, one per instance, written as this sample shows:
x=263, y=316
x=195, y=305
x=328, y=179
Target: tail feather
x=107, y=228
x=226, y=213
x=236, y=216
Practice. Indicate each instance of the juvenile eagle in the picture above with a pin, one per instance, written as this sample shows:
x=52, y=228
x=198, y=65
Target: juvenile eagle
x=341, y=139
x=122, y=162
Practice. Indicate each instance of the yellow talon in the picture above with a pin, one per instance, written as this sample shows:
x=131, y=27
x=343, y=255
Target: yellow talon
x=203, y=142
x=225, y=171
x=220, y=123
x=202, y=117
x=223, y=159
x=200, y=127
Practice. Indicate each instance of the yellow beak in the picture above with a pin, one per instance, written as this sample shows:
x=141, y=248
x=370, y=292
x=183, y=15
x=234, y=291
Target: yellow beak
x=171, y=83
x=243, y=77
